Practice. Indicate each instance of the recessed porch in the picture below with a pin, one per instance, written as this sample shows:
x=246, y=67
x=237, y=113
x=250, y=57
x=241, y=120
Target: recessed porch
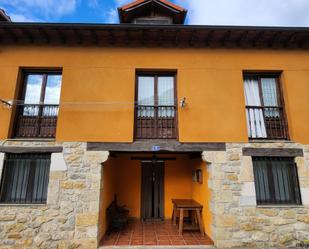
x=153, y=233
x=124, y=177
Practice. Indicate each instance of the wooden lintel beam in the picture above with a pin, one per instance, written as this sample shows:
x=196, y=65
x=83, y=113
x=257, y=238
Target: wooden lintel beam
x=273, y=152
x=149, y=145
x=153, y=158
x=24, y=149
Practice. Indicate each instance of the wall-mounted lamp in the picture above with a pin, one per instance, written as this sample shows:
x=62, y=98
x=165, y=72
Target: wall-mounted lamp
x=7, y=104
x=183, y=102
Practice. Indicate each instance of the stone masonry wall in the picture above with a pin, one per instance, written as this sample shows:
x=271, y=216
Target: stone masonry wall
x=237, y=221
x=69, y=220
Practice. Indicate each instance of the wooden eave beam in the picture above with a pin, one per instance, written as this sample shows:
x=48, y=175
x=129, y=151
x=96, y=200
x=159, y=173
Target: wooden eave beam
x=271, y=41
x=192, y=38
x=225, y=37
x=61, y=36
x=12, y=34
x=28, y=34
x=78, y=36
x=256, y=39
x=209, y=37
x=176, y=40
x=111, y=37
x=94, y=36
x=242, y=37
x=44, y=34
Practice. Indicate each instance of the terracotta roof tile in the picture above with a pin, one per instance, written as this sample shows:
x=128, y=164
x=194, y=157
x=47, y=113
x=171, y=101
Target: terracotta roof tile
x=4, y=16
x=137, y=2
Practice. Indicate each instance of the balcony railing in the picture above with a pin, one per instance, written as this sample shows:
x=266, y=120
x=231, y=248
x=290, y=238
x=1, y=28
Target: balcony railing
x=155, y=122
x=36, y=121
x=266, y=122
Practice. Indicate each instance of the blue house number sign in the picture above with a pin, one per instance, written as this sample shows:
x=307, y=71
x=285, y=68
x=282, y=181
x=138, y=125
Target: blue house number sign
x=156, y=148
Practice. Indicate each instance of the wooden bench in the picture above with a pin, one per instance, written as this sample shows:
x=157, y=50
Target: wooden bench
x=116, y=216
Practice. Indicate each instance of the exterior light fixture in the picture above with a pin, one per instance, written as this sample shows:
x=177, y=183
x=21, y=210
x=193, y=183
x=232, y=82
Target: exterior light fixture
x=7, y=104
x=183, y=102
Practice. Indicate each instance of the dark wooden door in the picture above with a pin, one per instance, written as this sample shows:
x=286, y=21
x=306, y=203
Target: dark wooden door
x=152, y=203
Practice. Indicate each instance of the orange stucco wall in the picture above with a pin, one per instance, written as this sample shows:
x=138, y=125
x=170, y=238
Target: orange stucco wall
x=108, y=191
x=202, y=194
x=98, y=89
x=122, y=176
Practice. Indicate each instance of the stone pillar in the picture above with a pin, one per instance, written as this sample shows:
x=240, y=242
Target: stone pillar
x=215, y=161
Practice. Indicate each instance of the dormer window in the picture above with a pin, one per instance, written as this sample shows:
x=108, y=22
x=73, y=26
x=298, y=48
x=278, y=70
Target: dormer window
x=156, y=12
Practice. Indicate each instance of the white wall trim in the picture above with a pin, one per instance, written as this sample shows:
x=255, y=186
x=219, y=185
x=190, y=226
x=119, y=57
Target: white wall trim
x=304, y=195
x=1, y=163
x=57, y=162
x=248, y=196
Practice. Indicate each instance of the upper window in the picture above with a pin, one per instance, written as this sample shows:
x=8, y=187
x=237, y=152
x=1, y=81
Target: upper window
x=25, y=178
x=264, y=107
x=38, y=110
x=276, y=181
x=156, y=106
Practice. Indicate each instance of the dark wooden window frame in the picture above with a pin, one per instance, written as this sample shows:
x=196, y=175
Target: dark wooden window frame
x=21, y=93
x=280, y=100
x=31, y=189
x=156, y=73
x=294, y=190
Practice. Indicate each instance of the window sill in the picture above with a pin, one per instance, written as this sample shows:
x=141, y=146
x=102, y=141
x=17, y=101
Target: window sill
x=22, y=205
x=281, y=206
x=31, y=139
x=269, y=141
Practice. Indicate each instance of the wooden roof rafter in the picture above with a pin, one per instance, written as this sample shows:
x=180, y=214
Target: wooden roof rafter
x=152, y=35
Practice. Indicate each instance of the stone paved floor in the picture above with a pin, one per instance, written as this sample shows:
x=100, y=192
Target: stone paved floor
x=154, y=234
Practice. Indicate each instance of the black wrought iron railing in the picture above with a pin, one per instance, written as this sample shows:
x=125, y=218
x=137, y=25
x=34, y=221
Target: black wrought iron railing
x=266, y=122
x=155, y=122
x=36, y=121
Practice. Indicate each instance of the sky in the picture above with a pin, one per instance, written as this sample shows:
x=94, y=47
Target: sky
x=200, y=12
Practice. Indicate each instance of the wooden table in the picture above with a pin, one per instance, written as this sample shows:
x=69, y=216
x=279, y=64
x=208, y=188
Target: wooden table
x=192, y=206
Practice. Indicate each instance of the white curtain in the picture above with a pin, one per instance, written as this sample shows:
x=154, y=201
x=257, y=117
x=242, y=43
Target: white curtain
x=166, y=96
x=146, y=96
x=255, y=119
x=269, y=89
